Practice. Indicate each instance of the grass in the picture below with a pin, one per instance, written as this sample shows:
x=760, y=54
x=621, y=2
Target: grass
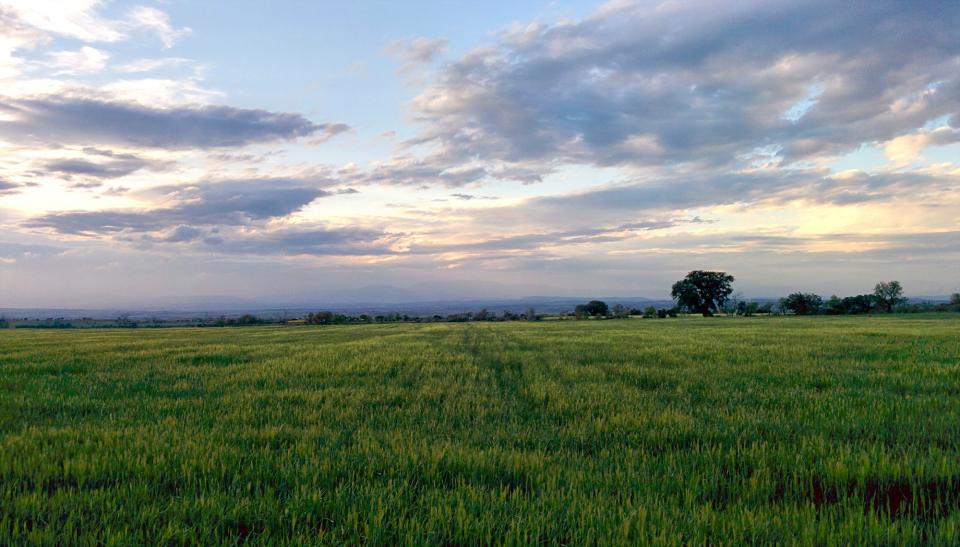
x=770, y=430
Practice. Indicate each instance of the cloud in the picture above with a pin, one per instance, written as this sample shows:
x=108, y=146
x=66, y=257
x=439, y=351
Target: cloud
x=80, y=19
x=676, y=196
x=697, y=83
x=75, y=19
x=9, y=187
x=311, y=240
x=470, y=197
x=906, y=148
x=226, y=217
x=86, y=60
x=315, y=241
x=89, y=168
x=440, y=170
x=108, y=165
x=158, y=22
x=534, y=241
x=225, y=203
x=94, y=120
x=183, y=233
x=416, y=52
x=14, y=35
x=327, y=131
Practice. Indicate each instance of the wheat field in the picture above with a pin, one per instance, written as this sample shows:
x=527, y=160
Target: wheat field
x=725, y=431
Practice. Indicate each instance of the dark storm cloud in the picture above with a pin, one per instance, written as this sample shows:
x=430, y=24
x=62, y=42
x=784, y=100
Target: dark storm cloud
x=89, y=120
x=637, y=84
x=229, y=203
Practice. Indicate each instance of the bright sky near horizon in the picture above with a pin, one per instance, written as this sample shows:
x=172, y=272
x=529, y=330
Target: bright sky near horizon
x=313, y=149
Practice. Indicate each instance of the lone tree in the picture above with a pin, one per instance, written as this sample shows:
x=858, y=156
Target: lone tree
x=888, y=294
x=802, y=303
x=703, y=292
x=593, y=308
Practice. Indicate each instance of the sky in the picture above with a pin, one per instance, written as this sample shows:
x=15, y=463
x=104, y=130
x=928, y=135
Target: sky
x=311, y=150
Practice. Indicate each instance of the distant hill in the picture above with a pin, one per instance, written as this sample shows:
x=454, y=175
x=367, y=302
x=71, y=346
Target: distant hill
x=202, y=306
x=374, y=300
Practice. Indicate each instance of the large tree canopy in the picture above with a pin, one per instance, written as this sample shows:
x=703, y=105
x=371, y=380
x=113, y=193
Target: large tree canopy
x=888, y=294
x=702, y=291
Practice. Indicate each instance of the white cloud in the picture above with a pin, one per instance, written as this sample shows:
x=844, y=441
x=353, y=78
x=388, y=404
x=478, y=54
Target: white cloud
x=14, y=35
x=159, y=22
x=73, y=19
x=80, y=19
x=905, y=149
x=85, y=60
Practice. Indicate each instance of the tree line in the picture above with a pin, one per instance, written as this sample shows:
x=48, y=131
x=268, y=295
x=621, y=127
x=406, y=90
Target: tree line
x=887, y=297
x=708, y=292
x=700, y=291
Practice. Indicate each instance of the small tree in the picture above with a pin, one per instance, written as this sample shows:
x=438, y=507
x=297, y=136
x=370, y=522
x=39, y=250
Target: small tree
x=802, y=303
x=703, y=292
x=955, y=301
x=649, y=312
x=888, y=294
x=320, y=318
x=620, y=311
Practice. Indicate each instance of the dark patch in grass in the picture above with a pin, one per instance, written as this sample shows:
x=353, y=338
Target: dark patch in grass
x=924, y=501
x=238, y=532
x=50, y=369
x=214, y=359
x=931, y=500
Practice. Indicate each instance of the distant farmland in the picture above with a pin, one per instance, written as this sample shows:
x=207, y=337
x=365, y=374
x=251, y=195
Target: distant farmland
x=840, y=430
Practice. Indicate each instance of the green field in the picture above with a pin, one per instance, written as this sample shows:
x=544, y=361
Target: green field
x=725, y=430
